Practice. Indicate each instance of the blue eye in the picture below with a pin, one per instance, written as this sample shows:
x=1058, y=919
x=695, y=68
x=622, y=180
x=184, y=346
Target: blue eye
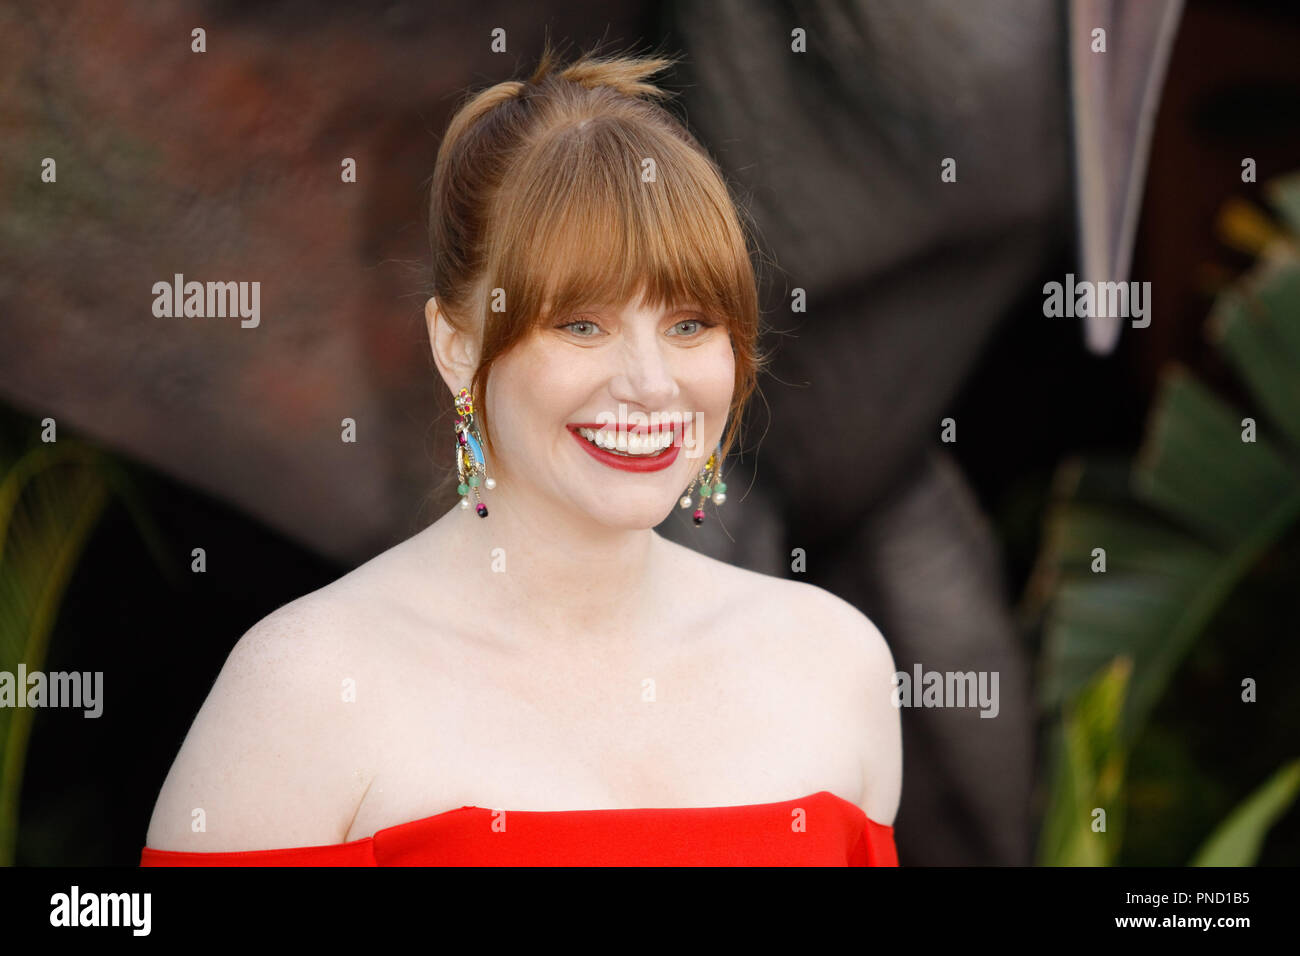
x=580, y=322
x=700, y=323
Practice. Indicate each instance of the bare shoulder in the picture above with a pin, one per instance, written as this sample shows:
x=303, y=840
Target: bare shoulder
x=270, y=758
x=867, y=655
x=847, y=637
x=868, y=663
x=848, y=650
x=796, y=606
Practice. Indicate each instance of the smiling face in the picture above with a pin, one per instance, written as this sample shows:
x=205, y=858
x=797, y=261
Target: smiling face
x=628, y=377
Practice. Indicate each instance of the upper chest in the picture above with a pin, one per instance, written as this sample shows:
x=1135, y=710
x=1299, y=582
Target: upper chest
x=743, y=712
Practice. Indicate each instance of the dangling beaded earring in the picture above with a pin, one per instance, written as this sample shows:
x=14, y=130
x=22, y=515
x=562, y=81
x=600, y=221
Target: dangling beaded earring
x=710, y=486
x=470, y=464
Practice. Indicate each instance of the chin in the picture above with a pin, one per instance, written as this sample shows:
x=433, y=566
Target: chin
x=633, y=515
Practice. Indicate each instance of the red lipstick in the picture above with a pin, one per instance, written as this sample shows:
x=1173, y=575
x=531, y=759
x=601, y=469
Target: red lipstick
x=639, y=463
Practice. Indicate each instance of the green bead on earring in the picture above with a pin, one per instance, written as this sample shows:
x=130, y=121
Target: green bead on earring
x=711, y=487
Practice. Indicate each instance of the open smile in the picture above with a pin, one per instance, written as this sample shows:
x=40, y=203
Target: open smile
x=630, y=449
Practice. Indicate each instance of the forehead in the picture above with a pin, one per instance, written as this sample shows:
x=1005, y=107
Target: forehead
x=632, y=307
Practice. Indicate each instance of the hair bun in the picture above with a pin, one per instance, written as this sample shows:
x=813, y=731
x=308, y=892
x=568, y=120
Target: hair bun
x=624, y=74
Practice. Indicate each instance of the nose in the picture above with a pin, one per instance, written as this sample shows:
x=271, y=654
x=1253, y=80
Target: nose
x=645, y=374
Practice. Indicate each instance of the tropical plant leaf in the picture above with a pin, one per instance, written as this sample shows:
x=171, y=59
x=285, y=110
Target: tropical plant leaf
x=1240, y=497
x=1126, y=610
x=1237, y=840
x=1152, y=572
x=1205, y=505
x=1161, y=585
x=1088, y=775
x=1195, y=467
x=50, y=499
x=1257, y=325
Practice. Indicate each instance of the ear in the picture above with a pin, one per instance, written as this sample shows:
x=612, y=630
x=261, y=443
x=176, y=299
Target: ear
x=454, y=352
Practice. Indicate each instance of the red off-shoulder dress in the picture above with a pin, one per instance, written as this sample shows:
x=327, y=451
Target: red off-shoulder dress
x=820, y=829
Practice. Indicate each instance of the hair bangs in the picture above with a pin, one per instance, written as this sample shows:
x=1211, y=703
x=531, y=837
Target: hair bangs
x=598, y=225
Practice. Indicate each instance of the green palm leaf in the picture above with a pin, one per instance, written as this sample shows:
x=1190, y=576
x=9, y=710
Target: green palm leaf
x=50, y=499
x=1088, y=775
x=1237, y=840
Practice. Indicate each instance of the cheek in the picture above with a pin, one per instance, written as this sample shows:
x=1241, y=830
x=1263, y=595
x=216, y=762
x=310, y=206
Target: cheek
x=722, y=377
x=510, y=384
x=536, y=391
x=710, y=382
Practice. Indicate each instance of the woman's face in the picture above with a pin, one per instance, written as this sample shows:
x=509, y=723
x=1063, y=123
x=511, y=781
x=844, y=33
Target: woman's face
x=654, y=384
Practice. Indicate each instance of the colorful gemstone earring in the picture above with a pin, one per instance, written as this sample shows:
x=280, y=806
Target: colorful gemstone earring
x=470, y=464
x=710, y=486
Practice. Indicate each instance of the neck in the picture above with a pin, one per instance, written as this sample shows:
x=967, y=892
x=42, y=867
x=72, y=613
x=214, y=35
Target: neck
x=553, y=580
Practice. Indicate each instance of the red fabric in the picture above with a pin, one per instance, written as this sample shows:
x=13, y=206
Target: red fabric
x=820, y=829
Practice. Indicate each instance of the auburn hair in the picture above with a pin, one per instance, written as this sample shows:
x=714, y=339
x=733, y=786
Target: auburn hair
x=538, y=200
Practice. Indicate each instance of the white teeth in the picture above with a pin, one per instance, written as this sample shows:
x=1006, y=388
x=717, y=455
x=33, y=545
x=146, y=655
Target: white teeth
x=629, y=443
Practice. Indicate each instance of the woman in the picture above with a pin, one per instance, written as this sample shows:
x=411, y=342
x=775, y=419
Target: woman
x=540, y=648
